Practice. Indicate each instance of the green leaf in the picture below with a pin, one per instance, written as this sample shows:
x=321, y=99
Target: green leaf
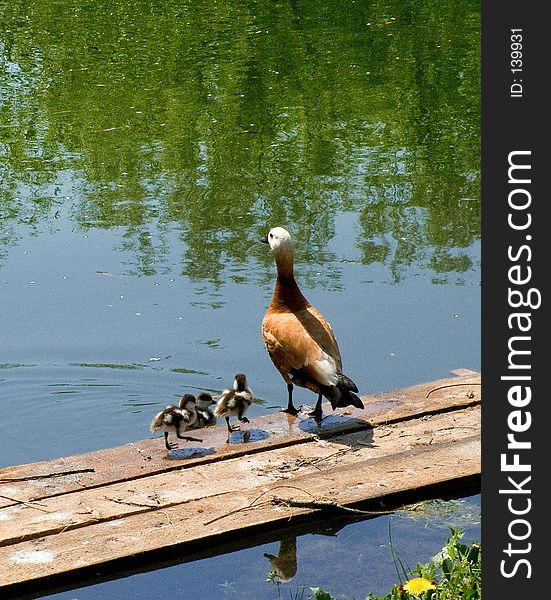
x=319, y=594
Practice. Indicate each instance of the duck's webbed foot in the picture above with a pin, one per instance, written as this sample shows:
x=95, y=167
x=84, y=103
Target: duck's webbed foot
x=169, y=445
x=231, y=428
x=290, y=410
x=317, y=414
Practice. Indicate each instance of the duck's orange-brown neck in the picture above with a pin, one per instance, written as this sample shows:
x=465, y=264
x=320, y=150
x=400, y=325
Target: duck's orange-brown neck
x=287, y=294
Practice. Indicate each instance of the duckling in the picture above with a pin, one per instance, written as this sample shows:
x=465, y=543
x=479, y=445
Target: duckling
x=298, y=338
x=235, y=402
x=205, y=415
x=176, y=419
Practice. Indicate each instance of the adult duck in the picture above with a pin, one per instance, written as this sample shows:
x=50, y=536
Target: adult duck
x=299, y=339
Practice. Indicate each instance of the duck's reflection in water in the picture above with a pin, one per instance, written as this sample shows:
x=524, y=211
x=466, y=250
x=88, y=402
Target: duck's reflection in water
x=284, y=565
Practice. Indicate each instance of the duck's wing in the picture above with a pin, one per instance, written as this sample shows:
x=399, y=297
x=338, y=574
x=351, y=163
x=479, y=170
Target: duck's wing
x=321, y=332
x=304, y=343
x=222, y=404
x=186, y=417
x=205, y=418
x=166, y=419
x=157, y=421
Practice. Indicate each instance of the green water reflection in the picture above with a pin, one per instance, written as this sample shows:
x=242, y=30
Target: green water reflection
x=214, y=119
x=179, y=131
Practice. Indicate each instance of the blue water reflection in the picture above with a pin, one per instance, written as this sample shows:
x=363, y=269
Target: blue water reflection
x=143, y=150
x=348, y=560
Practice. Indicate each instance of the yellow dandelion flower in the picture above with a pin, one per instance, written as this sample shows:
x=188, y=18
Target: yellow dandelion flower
x=418, y=585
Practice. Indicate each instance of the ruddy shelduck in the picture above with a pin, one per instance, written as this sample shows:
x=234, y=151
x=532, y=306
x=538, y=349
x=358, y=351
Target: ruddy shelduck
x=176, y=419
x=298, y=338
x=235, y=402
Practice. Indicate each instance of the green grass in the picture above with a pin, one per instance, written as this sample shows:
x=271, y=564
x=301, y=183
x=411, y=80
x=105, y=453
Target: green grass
x=453, y=574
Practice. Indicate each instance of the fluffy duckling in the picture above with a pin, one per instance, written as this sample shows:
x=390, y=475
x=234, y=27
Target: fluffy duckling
x=176, y=419
x=205, y=414
x=298, y=338
x=235, y=402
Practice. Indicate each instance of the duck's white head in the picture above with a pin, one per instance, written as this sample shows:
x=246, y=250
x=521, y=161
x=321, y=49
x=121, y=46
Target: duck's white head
x=279, y=239
x=281, y=244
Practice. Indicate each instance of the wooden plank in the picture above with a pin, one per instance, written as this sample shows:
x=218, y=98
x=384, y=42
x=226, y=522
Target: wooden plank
x=160, y=491
x=142, y=458
x=184, y=526
x=127, y=505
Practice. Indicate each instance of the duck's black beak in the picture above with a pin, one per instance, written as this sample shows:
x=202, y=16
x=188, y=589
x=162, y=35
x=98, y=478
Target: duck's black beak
x=264, y=239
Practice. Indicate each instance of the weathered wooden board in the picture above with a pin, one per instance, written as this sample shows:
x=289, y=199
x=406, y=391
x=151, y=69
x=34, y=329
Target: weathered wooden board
x=148, y=456
x=163, y=490
x=408, y=443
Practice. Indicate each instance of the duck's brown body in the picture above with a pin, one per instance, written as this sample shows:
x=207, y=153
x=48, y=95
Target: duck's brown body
x=299, y=339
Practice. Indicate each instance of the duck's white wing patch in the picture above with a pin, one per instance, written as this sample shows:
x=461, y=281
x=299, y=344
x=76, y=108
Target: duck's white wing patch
x=325, y=370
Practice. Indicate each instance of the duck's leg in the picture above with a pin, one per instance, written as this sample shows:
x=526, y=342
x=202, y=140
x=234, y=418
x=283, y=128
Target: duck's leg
x=241, y=417
x=230, y=428
x=168, y=445
x=316, y=413
x=291, y=410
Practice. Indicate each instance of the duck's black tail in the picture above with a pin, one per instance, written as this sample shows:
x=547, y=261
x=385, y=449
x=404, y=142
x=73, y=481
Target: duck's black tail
x=347, y=398
x=342, y=394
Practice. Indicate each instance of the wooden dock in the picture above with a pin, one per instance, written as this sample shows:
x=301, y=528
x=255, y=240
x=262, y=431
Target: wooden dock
x=104, y=513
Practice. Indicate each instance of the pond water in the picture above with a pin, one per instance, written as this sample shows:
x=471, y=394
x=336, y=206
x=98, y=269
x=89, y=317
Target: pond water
x=347, y=558
x=145, y=148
